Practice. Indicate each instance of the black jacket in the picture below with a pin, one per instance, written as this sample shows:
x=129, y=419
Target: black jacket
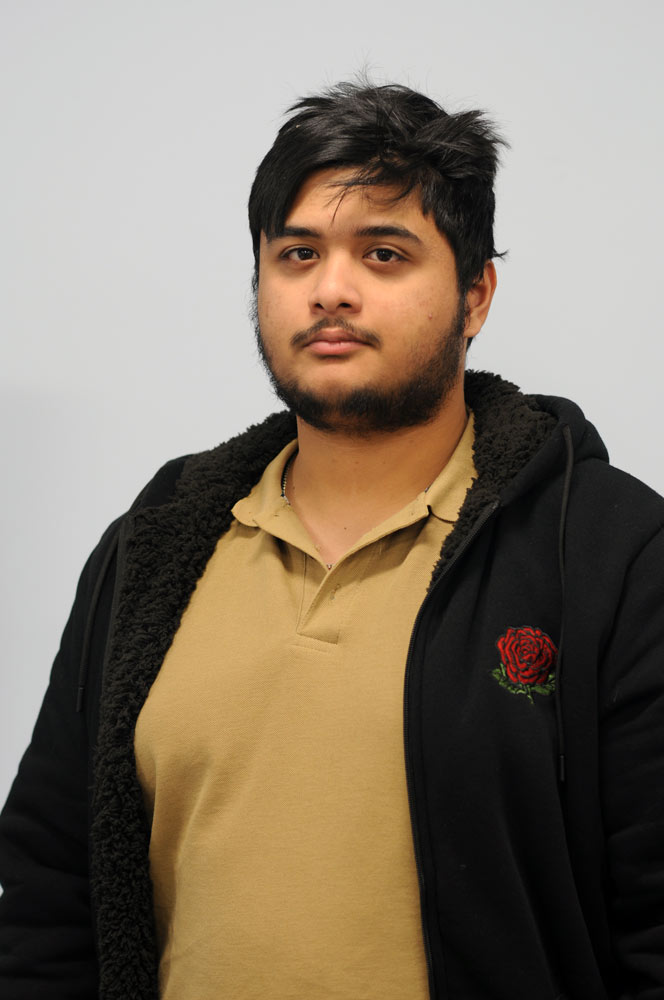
x=533, y=887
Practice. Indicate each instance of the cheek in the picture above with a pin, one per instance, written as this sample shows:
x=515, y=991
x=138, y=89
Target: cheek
x=262, y=296
x=440, y=305
x=417, y=317
x=424, y=304
x=276, y=304
x=268, y=303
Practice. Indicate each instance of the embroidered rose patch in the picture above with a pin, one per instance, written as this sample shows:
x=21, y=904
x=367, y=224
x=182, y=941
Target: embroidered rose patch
x=527, y=662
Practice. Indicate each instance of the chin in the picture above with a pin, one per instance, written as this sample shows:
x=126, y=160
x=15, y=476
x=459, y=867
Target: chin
x=368, y=409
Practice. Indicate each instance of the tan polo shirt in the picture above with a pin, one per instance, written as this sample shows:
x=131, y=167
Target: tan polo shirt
x=270, y=752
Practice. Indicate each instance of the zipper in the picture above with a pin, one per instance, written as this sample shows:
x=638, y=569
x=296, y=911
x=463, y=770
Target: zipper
x=472, y=534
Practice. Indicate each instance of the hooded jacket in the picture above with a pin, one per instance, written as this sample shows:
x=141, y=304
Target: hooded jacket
x=533, y=726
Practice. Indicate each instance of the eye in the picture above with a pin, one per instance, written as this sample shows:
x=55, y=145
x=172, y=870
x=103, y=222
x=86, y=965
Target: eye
x=299, y=254
x=384, y=256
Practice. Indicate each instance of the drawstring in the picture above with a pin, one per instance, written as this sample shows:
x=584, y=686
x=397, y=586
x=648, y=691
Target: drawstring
x=567, y=434
x=87, y=636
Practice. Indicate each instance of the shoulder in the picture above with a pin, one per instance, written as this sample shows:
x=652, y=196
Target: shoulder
x=602, y=496
x=626, y=504
x=161, y=488
x=232, y=464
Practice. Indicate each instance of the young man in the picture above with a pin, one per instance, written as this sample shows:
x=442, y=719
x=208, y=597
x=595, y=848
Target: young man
x=368, y=701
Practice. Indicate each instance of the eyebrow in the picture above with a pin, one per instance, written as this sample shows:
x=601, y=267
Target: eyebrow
x=296, y=232
x=391, y=230
x=381, y=232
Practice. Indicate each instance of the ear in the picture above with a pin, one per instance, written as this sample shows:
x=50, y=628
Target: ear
x=478, y=300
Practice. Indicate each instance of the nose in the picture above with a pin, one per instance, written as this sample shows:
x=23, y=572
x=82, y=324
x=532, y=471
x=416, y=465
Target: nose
x=335, y=288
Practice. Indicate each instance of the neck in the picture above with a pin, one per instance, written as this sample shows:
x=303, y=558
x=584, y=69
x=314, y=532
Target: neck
x=341, y=485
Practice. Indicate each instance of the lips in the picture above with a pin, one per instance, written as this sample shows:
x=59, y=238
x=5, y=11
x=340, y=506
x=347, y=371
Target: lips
x=333, y=343
x=328, y=339
x=334, y=335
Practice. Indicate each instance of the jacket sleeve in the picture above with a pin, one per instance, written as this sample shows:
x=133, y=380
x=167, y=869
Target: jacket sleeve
x=47, y=946
x=632, y=776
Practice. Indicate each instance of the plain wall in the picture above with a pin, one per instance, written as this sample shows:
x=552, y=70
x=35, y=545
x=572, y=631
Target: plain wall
x=130, y=135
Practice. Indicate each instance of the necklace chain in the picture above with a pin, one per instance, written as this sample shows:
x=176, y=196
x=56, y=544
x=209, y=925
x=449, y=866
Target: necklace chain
x=284, y=476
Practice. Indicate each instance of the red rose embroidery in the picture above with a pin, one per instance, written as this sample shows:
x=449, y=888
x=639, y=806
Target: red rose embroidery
x=528, y=655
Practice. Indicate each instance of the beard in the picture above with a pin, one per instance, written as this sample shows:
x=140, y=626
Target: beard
x=415, y=398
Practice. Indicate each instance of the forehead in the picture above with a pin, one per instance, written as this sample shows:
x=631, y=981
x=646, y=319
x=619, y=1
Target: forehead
x=325, y=196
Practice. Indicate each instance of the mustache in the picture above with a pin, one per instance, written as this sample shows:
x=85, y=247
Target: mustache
x=304, y=337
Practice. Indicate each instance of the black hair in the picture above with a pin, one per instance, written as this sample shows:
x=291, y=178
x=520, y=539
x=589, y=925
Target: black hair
x=393, y=136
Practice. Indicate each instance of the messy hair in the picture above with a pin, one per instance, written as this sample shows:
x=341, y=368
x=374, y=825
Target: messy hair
x=388, y=135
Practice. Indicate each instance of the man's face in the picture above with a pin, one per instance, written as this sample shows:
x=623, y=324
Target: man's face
x=359, y=318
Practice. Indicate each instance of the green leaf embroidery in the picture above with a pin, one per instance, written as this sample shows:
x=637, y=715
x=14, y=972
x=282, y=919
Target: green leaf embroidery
x=500, y=674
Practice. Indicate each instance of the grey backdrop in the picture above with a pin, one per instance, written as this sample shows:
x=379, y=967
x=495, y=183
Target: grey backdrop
x=130, y=134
